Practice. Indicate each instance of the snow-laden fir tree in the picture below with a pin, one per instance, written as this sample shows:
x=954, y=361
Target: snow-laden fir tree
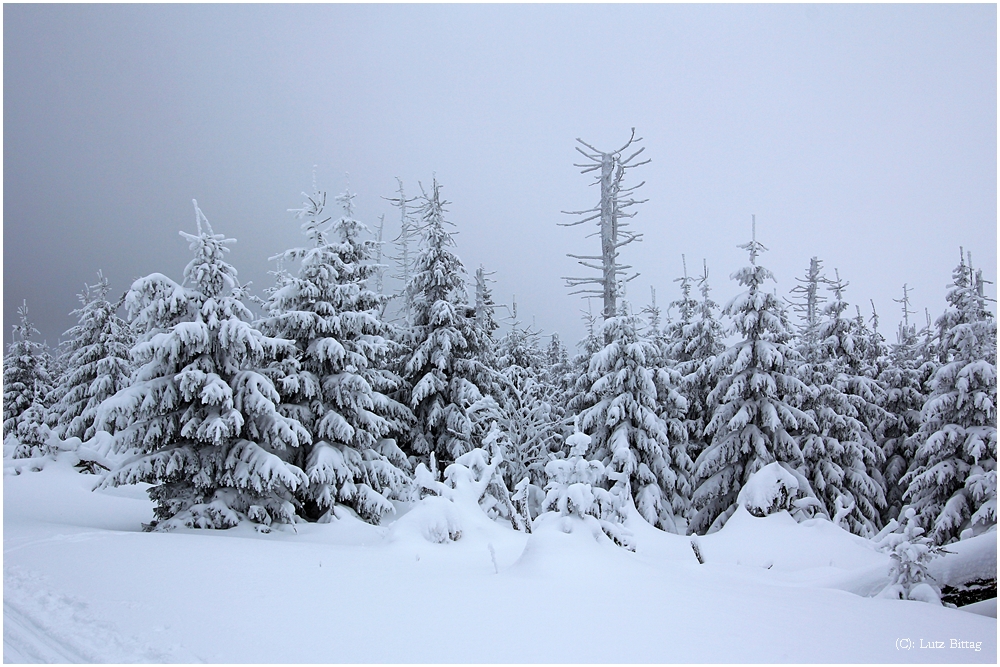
x=97, y=362
x=703, y=342
x=684, y=361
x=525, y=413
x=443, y=371
x=557, y=374
x=654, y=329
x=903, y=380
x=635, y=422
x=679, y=332
x=876, y=350
x=579, y=394
x=201, y=416
x=755, y=420
x=808, y=301
x=841, y=459
x=474, y=478
x=338, y=384
x=26, y=377
x=485, y=306
x=952, y=484
x=27, y=388
x=32, y=437
x=558, y=381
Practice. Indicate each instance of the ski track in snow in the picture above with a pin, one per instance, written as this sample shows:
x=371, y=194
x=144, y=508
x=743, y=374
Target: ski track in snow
x=25, y=642
x=41, y=625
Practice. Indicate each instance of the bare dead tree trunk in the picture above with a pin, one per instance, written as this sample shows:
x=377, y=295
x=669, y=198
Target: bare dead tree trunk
x=408, y=232
x=610, y=213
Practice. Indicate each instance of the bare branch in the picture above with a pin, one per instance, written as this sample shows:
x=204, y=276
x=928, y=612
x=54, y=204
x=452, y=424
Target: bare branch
x=591, y=266
x=591, y=147
x=630, y=141
x=625, y=162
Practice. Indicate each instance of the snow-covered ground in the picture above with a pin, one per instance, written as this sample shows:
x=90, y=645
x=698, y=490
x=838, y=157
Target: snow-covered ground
x=82, y=583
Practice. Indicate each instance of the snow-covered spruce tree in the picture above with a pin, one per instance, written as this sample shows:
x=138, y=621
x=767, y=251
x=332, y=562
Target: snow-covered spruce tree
x=338, y=384
x=774, y=489
x=475, y=478
x=97, y=362
x=31, y=438
x=876, y=350
x=201, y=415
x=558, y=380
x=26, y=378
x=903, y=380
x=754, y=418
x=636, y=423
x=702, y=344
x=579, y=394
x=690, y=343
x=841, y=459
x=952, y=484
x=680, y=331
x=808, y=301
x=653, y=330
x=485, y=306
x=557, y=374
x=673, y=365
x=529, y=421
x=443, y=371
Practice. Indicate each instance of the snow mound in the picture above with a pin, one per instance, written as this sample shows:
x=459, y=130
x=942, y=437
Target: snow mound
x=561, y=545
x=777, y=541
x=769, y=490
x=456, y=508
x=435, y=519
x=966, y=560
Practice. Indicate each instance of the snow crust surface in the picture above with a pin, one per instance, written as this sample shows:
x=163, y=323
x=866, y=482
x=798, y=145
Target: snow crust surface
x=82, y=583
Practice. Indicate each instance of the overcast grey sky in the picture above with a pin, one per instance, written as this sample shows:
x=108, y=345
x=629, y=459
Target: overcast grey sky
x=863, y=134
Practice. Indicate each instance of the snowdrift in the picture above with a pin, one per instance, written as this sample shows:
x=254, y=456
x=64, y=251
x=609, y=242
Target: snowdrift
x=82, y=583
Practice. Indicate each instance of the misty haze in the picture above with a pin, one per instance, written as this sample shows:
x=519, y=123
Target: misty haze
x=438, y=333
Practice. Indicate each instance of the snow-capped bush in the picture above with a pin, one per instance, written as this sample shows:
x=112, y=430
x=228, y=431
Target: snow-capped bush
x=575, y=499
x=911, y=553
x=472, y=487
x=776, y=488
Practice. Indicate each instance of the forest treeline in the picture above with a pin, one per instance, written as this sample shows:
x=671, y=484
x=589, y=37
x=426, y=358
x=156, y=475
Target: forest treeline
x=326, y=394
